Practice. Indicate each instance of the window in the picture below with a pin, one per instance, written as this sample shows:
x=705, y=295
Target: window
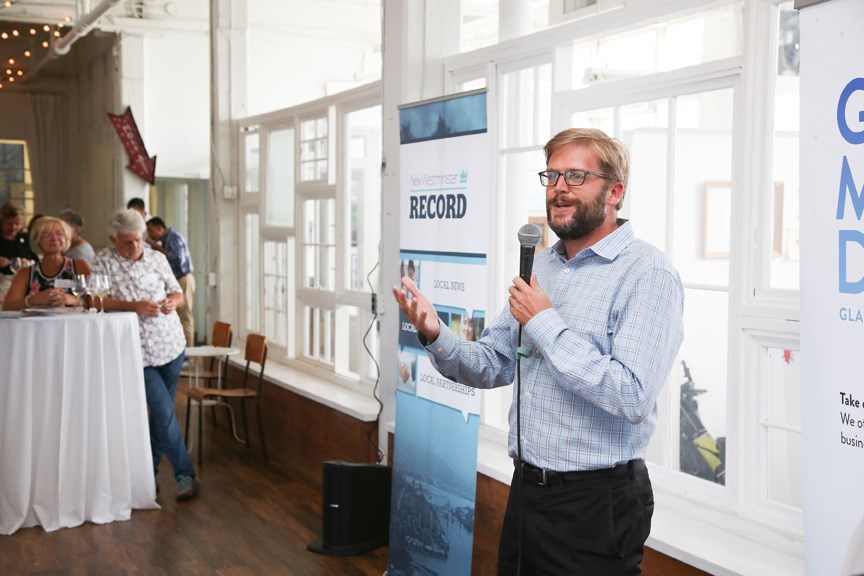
x=251, y=272
x=562, y=10
x=313, y=149
x=679, y=190
x=275, y=276
x=252, y=159
x=280, y=177
x=363, y=195
x=524, y=101
x=317, y=224
x=319, y=244
x=319, y=331
x=781, y=245
x=16, y=184
x=781, y=425
x=674, y=92
x=665, y=46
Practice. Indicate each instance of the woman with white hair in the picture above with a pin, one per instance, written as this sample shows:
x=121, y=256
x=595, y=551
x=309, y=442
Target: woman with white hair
x=142, y=282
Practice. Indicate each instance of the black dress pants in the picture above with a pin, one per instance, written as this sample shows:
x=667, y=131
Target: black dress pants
x=590, y=523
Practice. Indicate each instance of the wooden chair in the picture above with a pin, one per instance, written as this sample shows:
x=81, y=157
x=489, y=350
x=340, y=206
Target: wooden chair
x=221, y=336
x=256, y=353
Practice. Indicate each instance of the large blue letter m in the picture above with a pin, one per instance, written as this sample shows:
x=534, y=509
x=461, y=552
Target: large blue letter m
x=847, y=182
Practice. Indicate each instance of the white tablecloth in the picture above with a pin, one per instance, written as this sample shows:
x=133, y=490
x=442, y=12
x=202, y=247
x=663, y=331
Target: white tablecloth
x=74, y=438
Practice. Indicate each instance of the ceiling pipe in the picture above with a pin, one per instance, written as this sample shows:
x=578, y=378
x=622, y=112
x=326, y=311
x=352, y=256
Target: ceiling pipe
x=83, y=26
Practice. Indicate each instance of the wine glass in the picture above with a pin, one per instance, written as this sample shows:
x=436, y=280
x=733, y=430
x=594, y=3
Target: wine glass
x=99, y=286
x=15, y=264
x=80, y=287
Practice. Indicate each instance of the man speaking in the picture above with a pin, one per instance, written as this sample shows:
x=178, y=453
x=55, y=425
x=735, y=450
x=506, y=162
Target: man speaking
x=589, y=342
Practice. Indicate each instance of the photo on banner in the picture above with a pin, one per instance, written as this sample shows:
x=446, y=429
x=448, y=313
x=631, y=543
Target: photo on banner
x=444, y=242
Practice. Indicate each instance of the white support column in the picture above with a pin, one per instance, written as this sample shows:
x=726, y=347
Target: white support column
x=228, y=28
x=514, y=19
x=130, y=92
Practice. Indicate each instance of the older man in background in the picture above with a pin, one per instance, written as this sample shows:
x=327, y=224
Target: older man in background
x=142, y=282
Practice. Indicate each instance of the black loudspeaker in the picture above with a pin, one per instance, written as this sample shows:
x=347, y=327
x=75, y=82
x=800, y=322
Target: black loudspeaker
x=356, y=515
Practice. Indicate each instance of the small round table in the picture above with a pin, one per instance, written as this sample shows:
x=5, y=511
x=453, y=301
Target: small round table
x=221, y=353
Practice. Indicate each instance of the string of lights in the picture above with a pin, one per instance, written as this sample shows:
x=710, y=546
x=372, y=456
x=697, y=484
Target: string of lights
x=23, y=45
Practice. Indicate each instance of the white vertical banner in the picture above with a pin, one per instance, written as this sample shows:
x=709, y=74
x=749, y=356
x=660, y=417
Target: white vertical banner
x=445, y=202
x=832, y=284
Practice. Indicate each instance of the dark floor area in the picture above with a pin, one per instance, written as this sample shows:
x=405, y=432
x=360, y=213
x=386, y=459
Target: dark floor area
x=250, y=518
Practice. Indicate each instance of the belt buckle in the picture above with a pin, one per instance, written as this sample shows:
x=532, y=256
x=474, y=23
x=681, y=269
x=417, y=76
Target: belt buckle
x=536, y=476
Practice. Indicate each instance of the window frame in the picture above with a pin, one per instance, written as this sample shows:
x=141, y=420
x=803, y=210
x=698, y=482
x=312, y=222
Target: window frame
x=334, y=187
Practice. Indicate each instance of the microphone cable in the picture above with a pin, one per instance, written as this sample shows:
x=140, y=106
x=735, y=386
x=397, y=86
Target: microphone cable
x=519, y=482
x=379, y=456
x=529, y=235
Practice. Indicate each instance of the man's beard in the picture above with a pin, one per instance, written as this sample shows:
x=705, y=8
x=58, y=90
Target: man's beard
x=587, y=217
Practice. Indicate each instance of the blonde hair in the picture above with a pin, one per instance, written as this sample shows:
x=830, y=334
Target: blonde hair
x=45, y=223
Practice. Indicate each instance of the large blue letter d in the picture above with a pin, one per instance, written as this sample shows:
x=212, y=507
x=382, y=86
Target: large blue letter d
x=847, y=287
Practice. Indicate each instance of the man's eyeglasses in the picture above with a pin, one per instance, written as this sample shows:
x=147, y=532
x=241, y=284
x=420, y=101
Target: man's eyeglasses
x=571, y=177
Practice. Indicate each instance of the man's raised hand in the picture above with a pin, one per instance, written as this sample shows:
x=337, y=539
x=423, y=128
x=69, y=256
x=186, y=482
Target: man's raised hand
x=418, y=309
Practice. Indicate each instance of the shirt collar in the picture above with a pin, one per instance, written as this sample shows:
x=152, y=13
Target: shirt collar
x=608, y=247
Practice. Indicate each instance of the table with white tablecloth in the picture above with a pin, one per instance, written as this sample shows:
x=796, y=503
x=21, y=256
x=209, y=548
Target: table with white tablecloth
x=74, y=437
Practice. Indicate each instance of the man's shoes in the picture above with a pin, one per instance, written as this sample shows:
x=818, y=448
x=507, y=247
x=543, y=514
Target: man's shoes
x=187, y=487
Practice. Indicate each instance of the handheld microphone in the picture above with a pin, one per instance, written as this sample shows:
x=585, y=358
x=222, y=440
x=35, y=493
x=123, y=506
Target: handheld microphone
x=529, y=236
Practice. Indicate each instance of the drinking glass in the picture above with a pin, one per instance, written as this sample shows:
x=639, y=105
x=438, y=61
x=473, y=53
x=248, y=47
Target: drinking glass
x=16, y=264
x=80, y=287
x=99, y=286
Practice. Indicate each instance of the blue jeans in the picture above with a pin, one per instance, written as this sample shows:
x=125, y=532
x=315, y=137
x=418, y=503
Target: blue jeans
x=160, y=385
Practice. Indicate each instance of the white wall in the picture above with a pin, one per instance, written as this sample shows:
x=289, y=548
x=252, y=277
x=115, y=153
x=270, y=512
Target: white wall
x=302, y=50
x=176, y=122
x=284, y=72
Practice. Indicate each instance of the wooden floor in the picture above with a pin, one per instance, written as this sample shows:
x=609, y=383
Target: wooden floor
x=250, y=518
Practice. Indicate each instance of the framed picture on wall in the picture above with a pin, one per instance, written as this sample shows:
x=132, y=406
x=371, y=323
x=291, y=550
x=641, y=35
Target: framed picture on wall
x=718, y=219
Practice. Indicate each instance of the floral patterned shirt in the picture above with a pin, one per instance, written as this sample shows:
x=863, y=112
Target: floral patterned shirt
x=149, y=278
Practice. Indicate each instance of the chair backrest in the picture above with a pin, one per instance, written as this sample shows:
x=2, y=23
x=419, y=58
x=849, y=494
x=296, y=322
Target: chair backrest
x=221, y=334
x=256, y=353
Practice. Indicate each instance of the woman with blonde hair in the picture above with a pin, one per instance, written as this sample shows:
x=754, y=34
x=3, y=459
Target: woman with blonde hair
x=48, y=283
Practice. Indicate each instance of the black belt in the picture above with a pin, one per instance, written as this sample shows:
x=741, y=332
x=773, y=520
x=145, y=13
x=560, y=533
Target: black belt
x=531, y=474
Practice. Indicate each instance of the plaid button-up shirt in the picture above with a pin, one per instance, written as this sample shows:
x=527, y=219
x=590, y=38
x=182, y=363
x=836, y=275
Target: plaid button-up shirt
x=599, y=358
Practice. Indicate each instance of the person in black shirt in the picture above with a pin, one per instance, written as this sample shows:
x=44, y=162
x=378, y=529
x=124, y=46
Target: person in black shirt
x=13, y=244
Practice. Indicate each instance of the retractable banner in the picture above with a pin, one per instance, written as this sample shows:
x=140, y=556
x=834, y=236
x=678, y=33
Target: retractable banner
x=445, y=204
x=832, y=284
